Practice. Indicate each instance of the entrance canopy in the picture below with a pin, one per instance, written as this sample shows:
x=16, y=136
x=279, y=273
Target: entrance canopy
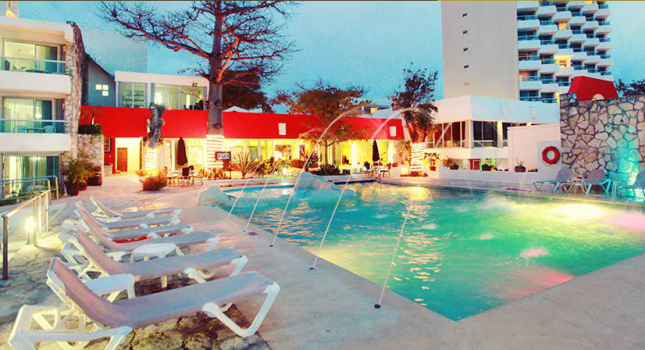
x=132, y=122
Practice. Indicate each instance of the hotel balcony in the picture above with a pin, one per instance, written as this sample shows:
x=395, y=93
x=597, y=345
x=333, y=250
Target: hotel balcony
x=564, y=89
x=589, y=8
x=549, y=68
x=34, y=82
x=590, y=26
x=602, y=13
x=547, y=29
x=527, y=6
x=604, y=28
x=593, y=42
x=564, y=72
x=529, y=65
x=603, y=46
x=578, y=38
x=605, y=62
x=563, y=16
x=579, y=56
x=528, y=45
x=528, y=23
x=547, y=11
x=548, y=49
x=575, y=5
x=565, y=52
x=563, y=34
x=531, y=83
x=551, y=86
x=593, y=59
x=29, y=136
x=577, y=21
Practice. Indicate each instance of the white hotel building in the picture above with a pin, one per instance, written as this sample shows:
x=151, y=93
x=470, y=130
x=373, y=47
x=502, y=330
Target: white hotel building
x=505, y=63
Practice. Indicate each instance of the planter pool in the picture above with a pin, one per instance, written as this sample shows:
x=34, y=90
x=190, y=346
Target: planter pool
x=461, y=253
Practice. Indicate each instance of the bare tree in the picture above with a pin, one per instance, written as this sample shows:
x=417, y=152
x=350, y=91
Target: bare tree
x=233, y=40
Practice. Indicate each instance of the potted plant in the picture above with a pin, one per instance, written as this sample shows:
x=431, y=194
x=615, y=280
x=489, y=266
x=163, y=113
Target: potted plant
x=85, y=162
x=74, y=172
x=520, y=168
x=485, y=167
x=454, y=167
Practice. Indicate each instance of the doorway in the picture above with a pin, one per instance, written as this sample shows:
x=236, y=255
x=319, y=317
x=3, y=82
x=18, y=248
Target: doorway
x=122, y=159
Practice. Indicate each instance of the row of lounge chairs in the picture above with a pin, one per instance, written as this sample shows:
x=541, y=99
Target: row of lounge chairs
x=566, y=181
x=94, y=274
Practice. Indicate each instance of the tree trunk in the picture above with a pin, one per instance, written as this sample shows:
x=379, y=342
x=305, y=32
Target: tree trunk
x=326, y=156
x=215, y=126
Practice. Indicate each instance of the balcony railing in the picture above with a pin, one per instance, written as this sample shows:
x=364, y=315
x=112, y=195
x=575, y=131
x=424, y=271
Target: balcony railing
x=592, y=70
x=604, y=23
x=605, y=73
x=547, y=41
x=32, y=65
x=548, y=100
x=605, y=56
x=526, y=17
x=549, y=81
x=546, y=3
x=604, y=40
x=529, y=58
x=563, y=46
x=529, y=78
x=603, y=6
x=529, y=99
x=527, y=37
x=548, y=61
x=577, y=49
x=31, y=126
x=564, y=83
x=546, y=22
x=577, y=67
x=576, y=31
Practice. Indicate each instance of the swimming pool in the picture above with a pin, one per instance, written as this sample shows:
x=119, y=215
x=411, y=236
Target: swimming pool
x=461, y=252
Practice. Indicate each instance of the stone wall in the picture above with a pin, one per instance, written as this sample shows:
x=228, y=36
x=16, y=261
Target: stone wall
x=74, y=67
x=91, y=146
x=606, y=134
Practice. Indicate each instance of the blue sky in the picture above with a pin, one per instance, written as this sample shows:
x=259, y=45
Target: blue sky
x=361, y=42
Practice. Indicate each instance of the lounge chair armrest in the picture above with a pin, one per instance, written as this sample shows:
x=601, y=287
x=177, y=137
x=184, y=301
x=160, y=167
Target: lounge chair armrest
x=112, y=284
x=118, y=255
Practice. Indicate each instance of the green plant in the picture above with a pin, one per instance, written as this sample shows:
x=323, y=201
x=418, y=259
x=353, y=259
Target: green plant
x=245, y=164
x=75, y=170
x=326, y=170
x=447, y=162
x=153, y=180
x=218, y=174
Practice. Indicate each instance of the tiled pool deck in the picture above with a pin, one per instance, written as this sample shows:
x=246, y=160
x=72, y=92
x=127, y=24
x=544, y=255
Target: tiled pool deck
x=331, y=308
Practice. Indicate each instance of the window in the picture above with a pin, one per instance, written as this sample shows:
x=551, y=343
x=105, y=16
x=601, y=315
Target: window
x=392, y=131
x=179, y=97
x=466, y=66
x=20, y=167
x=282, y=129
x=563, y=25
x=464, y=15
x=464, y=32
x=563, y=62
x=465, y=49
x=505, y=127
x=19, y=113
x=132, y=95
x=104, y=88
x=448, y=135
x=29, y=57
x=485, y=134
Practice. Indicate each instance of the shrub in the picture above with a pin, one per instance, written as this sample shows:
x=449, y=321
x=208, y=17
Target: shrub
x=153, y=180
x=327, y=170
x=93, y=129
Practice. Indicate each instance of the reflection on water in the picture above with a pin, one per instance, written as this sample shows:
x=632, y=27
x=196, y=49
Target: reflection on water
x=461, y=252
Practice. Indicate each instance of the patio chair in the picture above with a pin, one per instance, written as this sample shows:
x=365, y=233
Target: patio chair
x=99, y=318
x=596, y=177
x=639, y=184
x=561, y=178
x=49, y=129
x=105, y=210
x=191, y=265
x=130, y=223
x=89, y=222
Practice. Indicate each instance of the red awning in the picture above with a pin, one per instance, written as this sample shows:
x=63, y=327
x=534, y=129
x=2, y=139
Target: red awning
x=587, y=88
x=132, y=122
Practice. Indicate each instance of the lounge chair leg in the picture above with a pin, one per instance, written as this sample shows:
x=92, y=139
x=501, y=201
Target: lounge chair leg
x=212, y=310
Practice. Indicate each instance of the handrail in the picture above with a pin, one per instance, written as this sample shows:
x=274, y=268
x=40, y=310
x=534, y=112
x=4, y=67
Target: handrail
x=32, y=59
x=35, y=120
x=41, y=215
x=33, y=180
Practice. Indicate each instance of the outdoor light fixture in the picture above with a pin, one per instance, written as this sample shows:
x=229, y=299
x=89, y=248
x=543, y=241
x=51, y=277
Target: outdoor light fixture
x=30, y=225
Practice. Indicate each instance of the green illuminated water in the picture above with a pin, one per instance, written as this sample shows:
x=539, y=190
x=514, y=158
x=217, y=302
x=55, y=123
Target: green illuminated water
x=461, y=252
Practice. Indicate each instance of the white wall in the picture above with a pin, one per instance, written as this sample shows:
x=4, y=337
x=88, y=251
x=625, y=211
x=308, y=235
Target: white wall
x=34, y=144
x=526, y=143
x=132, y=144
x=495, y=109
x=492, y=48
x=509, y=177
x=39, y=85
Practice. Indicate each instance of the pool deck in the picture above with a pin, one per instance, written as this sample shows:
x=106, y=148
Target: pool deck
x=331, y=308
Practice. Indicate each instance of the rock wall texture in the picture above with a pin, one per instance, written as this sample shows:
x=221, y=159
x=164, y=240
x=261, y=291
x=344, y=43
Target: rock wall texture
x=74, y=67
x=606, y=134
x=91, y=146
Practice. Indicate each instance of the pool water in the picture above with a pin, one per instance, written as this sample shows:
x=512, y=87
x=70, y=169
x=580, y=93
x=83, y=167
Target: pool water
x=461, y=252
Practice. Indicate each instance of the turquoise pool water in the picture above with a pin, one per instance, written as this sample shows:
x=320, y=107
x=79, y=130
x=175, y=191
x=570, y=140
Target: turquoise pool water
x=461, y=253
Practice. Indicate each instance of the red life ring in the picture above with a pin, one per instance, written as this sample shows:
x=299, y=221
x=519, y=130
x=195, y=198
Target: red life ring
x=556, y=155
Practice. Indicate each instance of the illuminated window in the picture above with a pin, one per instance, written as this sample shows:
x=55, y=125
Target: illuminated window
x=105, y=89
x=563, y=26
x=282, y=129
x=392, y=131
x=563, y=62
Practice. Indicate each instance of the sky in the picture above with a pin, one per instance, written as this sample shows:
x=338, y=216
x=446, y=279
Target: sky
x=365, y=43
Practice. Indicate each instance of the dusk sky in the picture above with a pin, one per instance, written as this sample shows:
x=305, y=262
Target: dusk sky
x=364, y=43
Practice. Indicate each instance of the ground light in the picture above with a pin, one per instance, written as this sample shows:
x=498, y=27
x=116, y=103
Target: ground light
x=30, y=225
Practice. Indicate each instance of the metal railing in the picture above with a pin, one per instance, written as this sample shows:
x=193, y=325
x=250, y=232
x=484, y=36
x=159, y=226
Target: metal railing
x=605, y=73
x=605, y=23
x=577, y=49
x=37, y=126
x=529, y=99
x=10, y=190
x=549, y=81
x=546, y=22
x=40, y=213
x=603, y=6
x=548, y=100
x=529, y=78
x=604, y=40
x=526, y=17
x=32, y=65
x=563, y=46
x=605, y=56
x=527, y=37
x=547, y=41
x=529, y=58
x=548, y=61
x=564, y=83
x=592, y=70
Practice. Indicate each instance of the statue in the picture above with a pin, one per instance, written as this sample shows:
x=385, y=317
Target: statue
x=155, y=122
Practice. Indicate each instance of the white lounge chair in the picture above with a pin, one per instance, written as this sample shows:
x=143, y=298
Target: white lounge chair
x=98, y=318
x=89, y=222
x=561, y=178
x=191, y=265
x=130, y=223
x=105, y=210
x=639, y=184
